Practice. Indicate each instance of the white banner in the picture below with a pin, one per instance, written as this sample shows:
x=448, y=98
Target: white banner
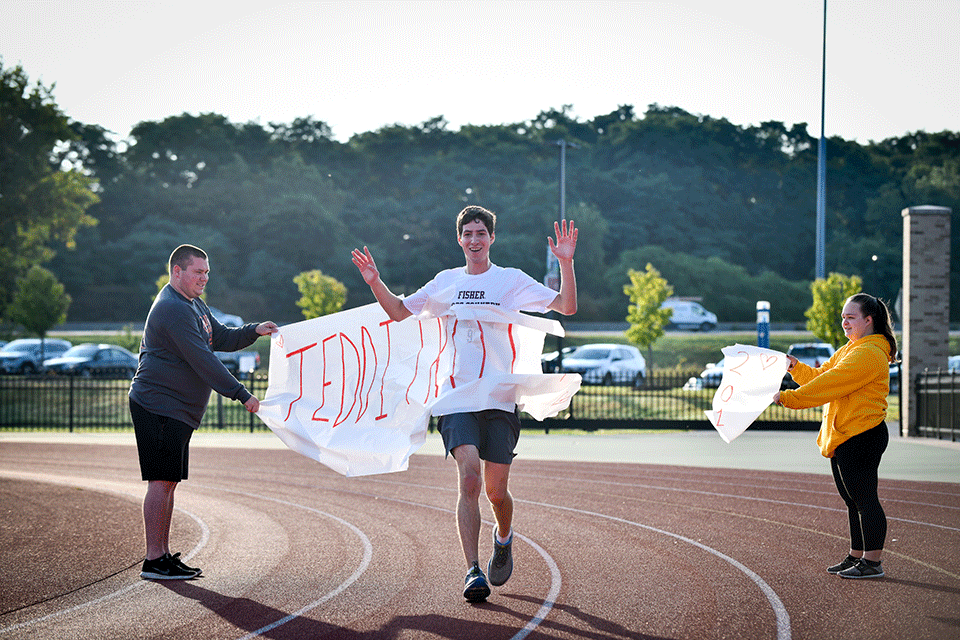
x=751, y=377
x=355, y=390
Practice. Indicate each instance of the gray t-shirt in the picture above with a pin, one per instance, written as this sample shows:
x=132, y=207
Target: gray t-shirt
x=178, y=366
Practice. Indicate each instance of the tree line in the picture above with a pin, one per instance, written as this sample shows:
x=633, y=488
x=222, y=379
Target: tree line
x=724, y=212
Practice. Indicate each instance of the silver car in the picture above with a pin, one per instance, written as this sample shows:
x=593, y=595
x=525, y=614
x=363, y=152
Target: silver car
x=607, y=364
x=26, y=355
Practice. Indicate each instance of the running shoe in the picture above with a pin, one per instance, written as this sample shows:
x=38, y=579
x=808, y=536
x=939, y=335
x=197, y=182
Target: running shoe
x=862, y=570
x=844, y=564
x=501, y=562
x=475, y=587
x=164, y=568
x=177, y=561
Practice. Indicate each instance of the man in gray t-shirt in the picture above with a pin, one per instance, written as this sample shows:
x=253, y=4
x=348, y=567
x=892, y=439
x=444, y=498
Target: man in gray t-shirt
x=170, y=391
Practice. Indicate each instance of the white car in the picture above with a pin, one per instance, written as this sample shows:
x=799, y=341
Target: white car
x=607, y=364
x=812, y=354
x=688, y=314
x=226, y=319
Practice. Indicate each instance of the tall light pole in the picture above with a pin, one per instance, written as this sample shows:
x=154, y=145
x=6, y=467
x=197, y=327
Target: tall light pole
x=552, y=277
x=822, y=160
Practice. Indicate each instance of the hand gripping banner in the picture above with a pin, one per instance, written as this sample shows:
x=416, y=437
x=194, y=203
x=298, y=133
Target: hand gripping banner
x=355, y=390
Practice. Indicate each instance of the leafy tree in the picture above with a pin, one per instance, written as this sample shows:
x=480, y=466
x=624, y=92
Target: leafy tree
x=726, y=289
x=727, y=208
x=647, y=291
x=38, y=203
x=829, y=294
x=40, y=302
x=320, y=295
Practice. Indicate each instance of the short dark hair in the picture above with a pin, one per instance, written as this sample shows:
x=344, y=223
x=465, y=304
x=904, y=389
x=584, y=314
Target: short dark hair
x=473, y=213
x=182, y=256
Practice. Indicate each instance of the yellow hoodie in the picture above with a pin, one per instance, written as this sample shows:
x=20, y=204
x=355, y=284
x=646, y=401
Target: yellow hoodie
x=855, y=381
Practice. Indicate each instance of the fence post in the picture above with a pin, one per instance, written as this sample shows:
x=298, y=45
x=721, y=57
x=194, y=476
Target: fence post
x=254, y=391
x=70, y=419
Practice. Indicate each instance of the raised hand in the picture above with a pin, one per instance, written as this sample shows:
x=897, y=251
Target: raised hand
x=366, y=265
x=566, y=243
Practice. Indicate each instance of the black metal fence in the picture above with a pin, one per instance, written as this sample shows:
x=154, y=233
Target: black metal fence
x=665, y=400
x=73, y=402
x=938, y=405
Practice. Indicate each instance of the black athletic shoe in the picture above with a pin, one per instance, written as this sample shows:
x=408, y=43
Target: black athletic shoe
x=164, y=568
x=862, y=570
x=475, y=587
x=845, y=564
x=501, y=562
x=177, y=561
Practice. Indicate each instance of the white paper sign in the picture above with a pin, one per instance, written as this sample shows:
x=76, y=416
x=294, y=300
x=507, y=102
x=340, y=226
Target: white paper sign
x=751, y=377
x=355, y=390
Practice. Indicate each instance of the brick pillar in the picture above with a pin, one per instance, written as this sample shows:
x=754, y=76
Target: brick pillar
x=926, y=300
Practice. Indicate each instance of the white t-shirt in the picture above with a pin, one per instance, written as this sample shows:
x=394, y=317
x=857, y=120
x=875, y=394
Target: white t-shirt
x=479, y=348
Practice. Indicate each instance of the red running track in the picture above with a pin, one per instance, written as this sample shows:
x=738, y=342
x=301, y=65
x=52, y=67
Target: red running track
x=292, y=550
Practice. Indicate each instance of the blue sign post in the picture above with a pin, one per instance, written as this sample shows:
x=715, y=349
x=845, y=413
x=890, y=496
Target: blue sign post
x=763, y=324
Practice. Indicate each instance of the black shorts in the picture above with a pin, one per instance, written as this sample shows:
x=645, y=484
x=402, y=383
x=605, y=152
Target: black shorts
x=163, y=445
x=493, y=431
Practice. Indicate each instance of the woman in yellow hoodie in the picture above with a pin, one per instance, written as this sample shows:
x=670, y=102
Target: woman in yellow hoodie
x=854, y=384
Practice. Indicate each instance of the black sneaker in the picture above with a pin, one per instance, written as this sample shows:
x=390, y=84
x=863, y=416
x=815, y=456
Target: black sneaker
x=475, y=587
x=177, y=561
x=845, y=564
x=501, y=562
x=164, y=568
x=862, y=570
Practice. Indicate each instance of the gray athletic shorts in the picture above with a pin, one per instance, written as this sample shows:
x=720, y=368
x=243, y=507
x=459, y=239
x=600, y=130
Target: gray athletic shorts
x=492, y=431
x=163, y=445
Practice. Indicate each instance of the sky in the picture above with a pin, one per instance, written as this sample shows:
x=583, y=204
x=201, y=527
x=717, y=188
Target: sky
x=892, y=66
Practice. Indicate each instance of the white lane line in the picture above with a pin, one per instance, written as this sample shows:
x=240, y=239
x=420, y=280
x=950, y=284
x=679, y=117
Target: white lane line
x=551, y=599
x=779, y=610
x=745, y=485
x=555, y=580
x=204, y=538
x=364, y=563
x=738, y=497
x=694, y=491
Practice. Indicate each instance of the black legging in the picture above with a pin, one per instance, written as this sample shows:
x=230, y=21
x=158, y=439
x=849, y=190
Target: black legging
x=855, y=464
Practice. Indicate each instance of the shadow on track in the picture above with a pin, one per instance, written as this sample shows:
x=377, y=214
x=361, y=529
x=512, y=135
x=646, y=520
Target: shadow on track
x=605, y=629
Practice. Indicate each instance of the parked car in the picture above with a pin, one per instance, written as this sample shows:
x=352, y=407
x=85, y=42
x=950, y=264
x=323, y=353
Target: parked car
x=549, y=361
x=226, y=319
x=26, y=355
x=710, y=376
x=89, y=359
x=607, y=364
x=240, y=363
x=812, y=354
x=689, y=315
x=894, y=377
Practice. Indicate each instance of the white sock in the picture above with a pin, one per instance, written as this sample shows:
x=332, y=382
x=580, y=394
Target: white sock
x=504, y=540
